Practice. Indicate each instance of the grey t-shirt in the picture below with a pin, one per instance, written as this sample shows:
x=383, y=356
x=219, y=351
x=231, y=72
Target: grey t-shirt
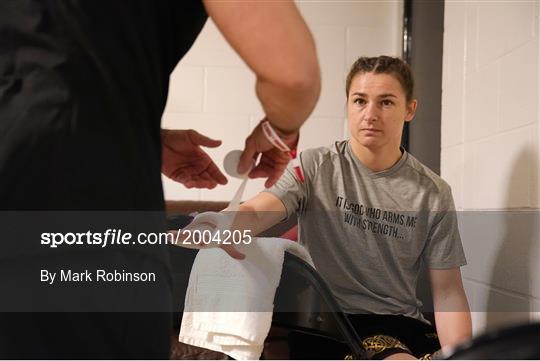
x=368, y=232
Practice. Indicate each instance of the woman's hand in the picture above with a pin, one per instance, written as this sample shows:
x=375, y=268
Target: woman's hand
x=211, y=222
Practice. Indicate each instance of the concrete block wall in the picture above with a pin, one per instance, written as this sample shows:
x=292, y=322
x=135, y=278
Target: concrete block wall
x=212, y=90
x=490, y=152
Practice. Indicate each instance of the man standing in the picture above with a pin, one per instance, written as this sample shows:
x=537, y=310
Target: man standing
x=83, y=85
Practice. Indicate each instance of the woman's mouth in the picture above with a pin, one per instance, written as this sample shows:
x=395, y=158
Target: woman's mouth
x=370, y=131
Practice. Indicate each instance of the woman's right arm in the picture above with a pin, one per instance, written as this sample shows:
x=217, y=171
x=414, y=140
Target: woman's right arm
x=255, y=216
x=259, y=213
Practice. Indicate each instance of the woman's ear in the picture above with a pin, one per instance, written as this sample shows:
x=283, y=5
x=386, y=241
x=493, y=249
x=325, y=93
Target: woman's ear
x=411, y=110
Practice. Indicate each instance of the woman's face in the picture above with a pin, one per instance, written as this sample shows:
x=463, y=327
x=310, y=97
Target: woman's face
x=376, y=110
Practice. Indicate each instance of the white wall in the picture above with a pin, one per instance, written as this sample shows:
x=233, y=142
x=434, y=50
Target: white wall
x=212, y=90
x=490, y=152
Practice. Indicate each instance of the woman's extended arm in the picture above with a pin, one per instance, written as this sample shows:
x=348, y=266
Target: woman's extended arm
x=259, y=213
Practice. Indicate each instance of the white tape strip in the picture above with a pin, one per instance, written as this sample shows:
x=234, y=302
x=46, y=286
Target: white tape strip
x=234, y=204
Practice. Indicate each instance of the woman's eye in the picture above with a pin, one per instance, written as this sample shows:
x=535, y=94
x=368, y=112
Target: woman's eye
x=359, y=101
x=387, y=102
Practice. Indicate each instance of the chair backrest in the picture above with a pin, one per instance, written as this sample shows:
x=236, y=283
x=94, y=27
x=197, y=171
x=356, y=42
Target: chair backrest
x=304, y=302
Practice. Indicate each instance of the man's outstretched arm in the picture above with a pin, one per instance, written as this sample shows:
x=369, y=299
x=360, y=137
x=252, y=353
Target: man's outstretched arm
x=275, y=43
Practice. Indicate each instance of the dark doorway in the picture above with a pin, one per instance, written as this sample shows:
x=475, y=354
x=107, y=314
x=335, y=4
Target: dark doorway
x=423, y=27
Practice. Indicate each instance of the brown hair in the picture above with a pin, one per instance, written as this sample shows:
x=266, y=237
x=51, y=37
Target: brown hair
x=384, y=65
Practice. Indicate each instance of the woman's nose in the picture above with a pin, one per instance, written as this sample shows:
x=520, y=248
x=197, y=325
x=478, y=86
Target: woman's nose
x=371, y=113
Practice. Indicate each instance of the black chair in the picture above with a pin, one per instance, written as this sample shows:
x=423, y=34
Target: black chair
x=518, y=342
x=305, y=303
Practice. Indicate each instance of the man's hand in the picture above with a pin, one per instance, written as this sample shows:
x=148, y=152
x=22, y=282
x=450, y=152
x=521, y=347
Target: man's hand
x=185, y=162
x=273, y=161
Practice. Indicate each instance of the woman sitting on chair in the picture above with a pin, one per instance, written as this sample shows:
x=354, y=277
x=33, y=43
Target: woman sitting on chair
x=370, y=214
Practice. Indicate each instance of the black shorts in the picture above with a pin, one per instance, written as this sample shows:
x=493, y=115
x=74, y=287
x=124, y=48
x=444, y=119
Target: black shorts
x=381, y=336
